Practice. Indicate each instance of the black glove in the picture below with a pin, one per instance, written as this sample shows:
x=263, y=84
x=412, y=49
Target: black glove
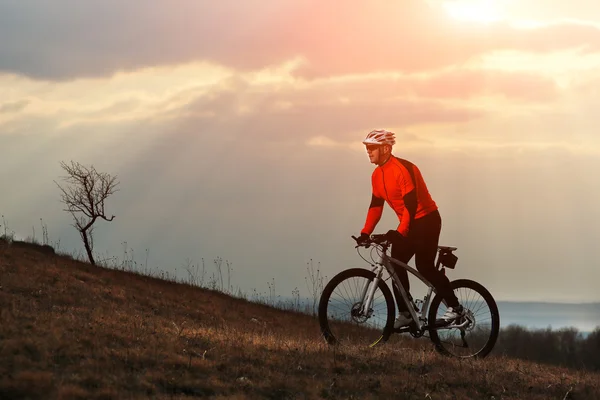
x=394, y=236
x=363, y=239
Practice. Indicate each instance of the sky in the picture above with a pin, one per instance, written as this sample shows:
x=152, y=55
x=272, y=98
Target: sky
x=235, y=131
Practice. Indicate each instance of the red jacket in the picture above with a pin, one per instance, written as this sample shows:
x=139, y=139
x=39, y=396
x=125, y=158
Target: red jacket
x=399, y=183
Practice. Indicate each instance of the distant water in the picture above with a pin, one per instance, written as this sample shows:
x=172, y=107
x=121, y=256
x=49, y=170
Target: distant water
x=583, y=317
x=537, y=315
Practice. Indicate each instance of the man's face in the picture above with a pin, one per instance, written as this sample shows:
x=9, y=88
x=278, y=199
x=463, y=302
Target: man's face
x=376, y=153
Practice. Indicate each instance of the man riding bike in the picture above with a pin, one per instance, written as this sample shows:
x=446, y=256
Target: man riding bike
x=400, y=183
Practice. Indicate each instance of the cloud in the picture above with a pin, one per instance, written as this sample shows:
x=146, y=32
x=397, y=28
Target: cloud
x=473, y=83
x=296, y=114
x=237, y=106
x=326, y=142
x=453, y=83
x=551, y=10
x=69, y=39
x=13, y=106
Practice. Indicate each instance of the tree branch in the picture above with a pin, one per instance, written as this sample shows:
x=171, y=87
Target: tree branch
x=84, y=196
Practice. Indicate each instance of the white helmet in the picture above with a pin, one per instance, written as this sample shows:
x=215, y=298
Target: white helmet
x=380, y=136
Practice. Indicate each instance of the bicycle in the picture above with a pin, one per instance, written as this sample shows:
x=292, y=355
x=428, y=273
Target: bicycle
x=371, y=308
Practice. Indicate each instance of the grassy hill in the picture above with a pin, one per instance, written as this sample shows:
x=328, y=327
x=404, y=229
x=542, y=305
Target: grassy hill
x=72, y=331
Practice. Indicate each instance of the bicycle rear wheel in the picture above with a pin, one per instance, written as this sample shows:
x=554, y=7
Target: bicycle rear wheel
x=480, y=325
x=340, y=310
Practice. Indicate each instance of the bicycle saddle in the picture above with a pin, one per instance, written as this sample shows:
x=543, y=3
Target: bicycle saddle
x=447, y=248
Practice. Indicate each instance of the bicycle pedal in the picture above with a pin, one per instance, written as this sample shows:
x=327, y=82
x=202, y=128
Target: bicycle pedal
x=405, y=329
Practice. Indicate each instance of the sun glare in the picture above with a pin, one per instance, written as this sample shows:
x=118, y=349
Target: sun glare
x=483, y=11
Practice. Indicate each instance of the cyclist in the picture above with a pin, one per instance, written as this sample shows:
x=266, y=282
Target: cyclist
x=400, y=183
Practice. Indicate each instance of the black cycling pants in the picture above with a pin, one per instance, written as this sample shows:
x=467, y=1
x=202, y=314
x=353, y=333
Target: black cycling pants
x=422, y=242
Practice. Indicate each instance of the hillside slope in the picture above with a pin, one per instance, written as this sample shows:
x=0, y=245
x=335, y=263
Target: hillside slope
x=69, y=330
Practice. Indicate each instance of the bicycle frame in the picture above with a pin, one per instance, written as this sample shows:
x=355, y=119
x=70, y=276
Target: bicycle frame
x=385, y=262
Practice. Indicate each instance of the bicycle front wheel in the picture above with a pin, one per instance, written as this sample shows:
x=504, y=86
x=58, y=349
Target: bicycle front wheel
x=475, y=334
x=341, y=313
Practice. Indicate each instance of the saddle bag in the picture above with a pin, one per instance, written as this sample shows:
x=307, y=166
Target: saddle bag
x=447, y=259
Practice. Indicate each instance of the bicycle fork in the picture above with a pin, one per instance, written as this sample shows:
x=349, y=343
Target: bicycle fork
x=368, y=292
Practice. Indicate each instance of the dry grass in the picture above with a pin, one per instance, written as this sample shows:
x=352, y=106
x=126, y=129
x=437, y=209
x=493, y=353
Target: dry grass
x=72, y=331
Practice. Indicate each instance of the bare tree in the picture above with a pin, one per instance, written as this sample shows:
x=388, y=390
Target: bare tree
x=84, y=195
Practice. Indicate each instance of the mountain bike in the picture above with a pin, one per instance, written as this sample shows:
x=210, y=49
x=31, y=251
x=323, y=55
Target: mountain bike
x=357, y=306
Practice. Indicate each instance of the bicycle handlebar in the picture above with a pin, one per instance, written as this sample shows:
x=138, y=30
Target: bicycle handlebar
x=373, y=239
